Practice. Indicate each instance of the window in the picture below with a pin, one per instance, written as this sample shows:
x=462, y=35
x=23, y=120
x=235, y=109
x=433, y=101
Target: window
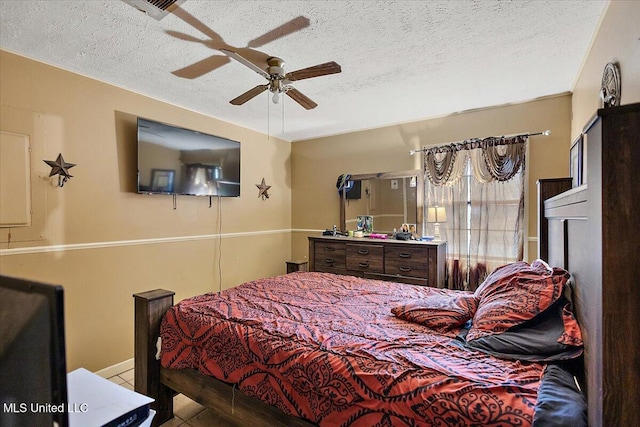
x=484, y=223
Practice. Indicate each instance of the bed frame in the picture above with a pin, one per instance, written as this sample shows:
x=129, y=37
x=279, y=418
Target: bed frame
x=233, y=407
x=599, y=246
x=594, y=233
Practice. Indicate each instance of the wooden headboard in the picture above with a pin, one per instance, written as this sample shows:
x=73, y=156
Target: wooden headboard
x=594, y=233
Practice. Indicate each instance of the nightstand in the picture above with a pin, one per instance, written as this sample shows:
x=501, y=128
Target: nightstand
x=293, y=266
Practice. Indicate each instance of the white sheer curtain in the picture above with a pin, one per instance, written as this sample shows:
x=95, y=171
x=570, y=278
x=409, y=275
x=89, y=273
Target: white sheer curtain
x=485, y=214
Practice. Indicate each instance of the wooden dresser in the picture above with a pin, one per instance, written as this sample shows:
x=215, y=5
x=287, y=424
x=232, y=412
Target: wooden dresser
x=407, y=261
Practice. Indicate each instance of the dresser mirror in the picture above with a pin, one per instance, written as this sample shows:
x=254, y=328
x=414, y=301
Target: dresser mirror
x=390, y=199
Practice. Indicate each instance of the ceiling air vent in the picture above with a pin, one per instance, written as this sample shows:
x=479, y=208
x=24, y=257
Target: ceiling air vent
x=157, y=9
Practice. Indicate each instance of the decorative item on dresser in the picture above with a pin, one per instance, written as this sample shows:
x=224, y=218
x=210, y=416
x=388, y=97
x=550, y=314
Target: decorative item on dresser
x=436, y=215
x=593, y=232
x=407, y=261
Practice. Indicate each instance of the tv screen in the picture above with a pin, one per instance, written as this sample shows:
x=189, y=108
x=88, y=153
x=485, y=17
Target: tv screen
x=174, y=160
x=33, y=374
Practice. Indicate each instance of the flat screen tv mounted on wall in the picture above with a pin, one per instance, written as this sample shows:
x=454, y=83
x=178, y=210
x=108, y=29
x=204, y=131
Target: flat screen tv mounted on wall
x=174, y=160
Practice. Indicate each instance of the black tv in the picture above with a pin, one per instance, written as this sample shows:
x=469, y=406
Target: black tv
x=175, y=160
x=33, y=371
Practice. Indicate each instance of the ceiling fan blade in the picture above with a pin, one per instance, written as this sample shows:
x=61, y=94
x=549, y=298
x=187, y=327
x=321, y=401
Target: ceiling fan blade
x=197, y=24
x=292, y=26
x=250, y=94
x=246, y=62
x=301, y=99
x=315, y=71
x=201, y=68
x=182, y=36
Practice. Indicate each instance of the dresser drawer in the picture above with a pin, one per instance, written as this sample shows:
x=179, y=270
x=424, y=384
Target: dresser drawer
x=365, y=258
x=418, y=263
x=329, y=256
x=407, y=261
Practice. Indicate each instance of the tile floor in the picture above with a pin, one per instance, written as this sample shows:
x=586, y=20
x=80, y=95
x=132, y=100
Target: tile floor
x=187, y=413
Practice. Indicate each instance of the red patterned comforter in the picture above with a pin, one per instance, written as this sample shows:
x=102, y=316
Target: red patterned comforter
x=327, y=348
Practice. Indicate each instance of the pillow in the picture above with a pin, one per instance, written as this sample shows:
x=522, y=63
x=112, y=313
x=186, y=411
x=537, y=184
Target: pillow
x=571, y=334
x=550, y=336
x=560, y=402
x=440, y=312
x=513, y=294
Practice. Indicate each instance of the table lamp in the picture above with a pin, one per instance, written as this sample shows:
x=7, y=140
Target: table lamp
x=436, y=215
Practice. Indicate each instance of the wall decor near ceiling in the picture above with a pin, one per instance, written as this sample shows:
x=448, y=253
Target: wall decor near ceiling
x=610, y=86
x=262, y=190
x=61, y=168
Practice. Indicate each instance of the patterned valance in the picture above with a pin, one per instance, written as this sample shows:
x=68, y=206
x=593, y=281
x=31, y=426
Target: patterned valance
x=492, y=158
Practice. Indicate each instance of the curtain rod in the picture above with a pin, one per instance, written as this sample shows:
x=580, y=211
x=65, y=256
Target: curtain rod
x=544, y=132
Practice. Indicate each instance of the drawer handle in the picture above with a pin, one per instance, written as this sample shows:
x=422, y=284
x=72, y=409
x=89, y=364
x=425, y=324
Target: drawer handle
x=363, y=251
x=329, y=261
x=330, y=248
x=363, y=265
x=404, y=255
x=404, y=269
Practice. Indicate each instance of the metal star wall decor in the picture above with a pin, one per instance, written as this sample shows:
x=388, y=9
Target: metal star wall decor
x=262, y=190
x=61, y=168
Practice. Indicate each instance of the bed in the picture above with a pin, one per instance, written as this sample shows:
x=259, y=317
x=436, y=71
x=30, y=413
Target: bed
x=597, y=244
x=312, y=348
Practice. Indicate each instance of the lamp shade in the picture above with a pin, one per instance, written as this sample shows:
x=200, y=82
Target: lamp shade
x=436, y=214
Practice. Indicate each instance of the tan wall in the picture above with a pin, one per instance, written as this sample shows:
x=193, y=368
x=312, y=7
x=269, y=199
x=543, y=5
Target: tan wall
x=316, y=164
x=617, y=40
x=108, y=242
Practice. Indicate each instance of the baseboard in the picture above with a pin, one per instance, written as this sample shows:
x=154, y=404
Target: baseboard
x=116, y=369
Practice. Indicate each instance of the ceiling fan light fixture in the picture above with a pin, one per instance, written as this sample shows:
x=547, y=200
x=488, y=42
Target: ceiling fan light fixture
x=276, y=67
x=279, y=82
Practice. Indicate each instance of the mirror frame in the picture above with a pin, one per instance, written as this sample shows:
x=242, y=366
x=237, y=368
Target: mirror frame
x=390, y=175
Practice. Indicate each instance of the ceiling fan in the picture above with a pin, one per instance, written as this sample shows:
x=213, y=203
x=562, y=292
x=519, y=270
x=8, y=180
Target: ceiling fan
x=216, y=42
x=279, y=82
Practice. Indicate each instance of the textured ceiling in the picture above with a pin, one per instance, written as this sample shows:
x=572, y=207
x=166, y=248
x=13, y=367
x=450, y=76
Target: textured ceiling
x=401, y=60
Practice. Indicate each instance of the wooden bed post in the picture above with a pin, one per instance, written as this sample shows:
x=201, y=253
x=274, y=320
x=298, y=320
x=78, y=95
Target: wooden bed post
x=150, y=306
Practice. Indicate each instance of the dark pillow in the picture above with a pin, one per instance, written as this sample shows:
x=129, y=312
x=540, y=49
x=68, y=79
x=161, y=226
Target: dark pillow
x=551, y=335
x=513, y=294
x=560, y=403
x=441, y=312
